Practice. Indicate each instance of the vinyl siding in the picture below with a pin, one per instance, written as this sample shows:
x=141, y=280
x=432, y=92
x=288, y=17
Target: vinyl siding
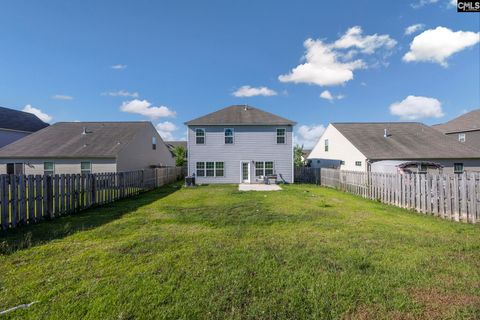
x=62, y=166
x=472, y=138
x=251, y=143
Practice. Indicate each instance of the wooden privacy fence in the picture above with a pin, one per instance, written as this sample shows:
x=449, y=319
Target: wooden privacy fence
x=26, y=199
x=450, y=196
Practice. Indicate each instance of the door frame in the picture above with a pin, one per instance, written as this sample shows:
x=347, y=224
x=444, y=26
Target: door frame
x=249, y=171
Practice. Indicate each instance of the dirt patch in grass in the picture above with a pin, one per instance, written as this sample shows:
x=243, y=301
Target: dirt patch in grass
x=442, y=305
x=376, y=312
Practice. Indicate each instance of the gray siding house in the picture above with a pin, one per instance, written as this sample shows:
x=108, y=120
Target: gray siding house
x=240, y=144
x=15, y=124
x=86, y=147
x=465, y=128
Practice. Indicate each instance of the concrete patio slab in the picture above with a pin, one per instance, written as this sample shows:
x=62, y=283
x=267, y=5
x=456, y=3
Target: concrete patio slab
x=258, y=187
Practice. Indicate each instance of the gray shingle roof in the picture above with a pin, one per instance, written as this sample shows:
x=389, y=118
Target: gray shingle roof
x=172, y=144
x=18, y=120
x=65, y=140
x=406, y=140
x=467, y=122
x=240, y=115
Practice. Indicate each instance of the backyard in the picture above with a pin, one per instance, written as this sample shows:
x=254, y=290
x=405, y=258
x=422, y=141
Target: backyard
x=212, y=252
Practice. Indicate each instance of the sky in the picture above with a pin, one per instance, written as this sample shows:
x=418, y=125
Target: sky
x=314, y=62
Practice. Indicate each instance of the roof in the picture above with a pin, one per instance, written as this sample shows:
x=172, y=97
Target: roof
x=68, y=140
x=405, y=140
x=19, y=120
x=240, y=115
x=172, y=144
x=469, y=121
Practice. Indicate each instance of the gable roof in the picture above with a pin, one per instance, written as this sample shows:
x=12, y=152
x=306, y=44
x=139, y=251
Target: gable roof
x=19, y=120
x=66, y=140
x=240, y=115
x=405, y=140
x=469, y=121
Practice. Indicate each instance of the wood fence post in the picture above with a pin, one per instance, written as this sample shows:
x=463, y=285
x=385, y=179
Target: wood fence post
x=49, y=196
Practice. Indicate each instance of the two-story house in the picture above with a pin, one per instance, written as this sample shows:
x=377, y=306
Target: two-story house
x=15, y=124
x=465, y=128
x=240, y=144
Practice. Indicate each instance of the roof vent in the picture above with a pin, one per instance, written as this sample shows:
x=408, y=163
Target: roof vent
x=385, y=133
x=84, y=132
x=245, y=107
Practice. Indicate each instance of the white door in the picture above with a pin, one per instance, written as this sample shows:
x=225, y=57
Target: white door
x=245, y=171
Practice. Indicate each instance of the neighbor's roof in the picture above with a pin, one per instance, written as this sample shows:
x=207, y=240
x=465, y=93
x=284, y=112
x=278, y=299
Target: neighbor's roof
x=66, y=140
x=469, y=121
x=240, y=115
x=18, y=120
x=172, y=144
x=406, y=140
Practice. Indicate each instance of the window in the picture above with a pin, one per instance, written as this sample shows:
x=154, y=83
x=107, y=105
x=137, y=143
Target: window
x=422, y=168
x=219, y=171
x=458, y=168
x=154, y=143
x=326, y=145
x=48, y=168
x=342, y=163
x=86, y=167
x=10, y=168
x=281, y=136
x=200, y=136
x=229, y=135
x=264, y=168
x=210, y=169
x=462, y=137
x=200, y=169
x=358, y=163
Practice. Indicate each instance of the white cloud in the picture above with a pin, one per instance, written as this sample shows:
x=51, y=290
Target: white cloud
x=121, y=93
x=328, y=96
x=145, y=108
x=415, y=108
x=41, y=115
x=247, y=91
x=308, y=135
x=436, y=45
x=62, y=97
x=421, y=3
x=328, y=64
x=452, y=3
x=414, y=28
x=119, y=67
x=166, y=129
x=353, y=38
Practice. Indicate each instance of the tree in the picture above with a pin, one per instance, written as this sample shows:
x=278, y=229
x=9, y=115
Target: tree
x=297, y=155
x=180, y=155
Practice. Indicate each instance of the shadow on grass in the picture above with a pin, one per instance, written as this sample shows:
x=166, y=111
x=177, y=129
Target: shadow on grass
x=32, y=235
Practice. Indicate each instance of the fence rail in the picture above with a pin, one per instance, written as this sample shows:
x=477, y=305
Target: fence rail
x=449, y=196
x=26, y=199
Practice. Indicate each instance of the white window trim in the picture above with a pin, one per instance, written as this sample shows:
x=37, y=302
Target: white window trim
x=464, y=137
x=326, y=145
x=204, y=136
x=357, y=161
x=90, y=162
x=263, y=169
x=214, y=169
x=284, y=136
x=458, y=172
x=224, y=136
x=53, y=162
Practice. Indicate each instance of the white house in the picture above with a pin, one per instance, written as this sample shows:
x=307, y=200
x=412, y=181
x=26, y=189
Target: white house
x=86, y=147
x=391, y=147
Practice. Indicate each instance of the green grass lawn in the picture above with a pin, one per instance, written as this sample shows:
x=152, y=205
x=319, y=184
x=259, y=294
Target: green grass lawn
x=213, y=253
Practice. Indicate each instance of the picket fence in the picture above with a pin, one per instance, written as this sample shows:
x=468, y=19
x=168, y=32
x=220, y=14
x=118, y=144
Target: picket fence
x=27, y=199
x=450, y=196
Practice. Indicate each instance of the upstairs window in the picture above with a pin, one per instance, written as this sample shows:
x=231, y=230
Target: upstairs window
x=154, y=143
x=48, y=168
x=462, y=137
x=229, y=135
x=326, y=145
x=458, y=168
x=86, y=167
x=200, y=136
x=281, y=136
x=358, y=163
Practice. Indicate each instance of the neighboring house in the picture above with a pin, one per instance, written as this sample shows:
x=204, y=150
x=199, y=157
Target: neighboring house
x=305, y=154
x=173, y=144
x=240, y=144
x=15, y=124
x=391, y=147
x=465, y=128
x=86, y=147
